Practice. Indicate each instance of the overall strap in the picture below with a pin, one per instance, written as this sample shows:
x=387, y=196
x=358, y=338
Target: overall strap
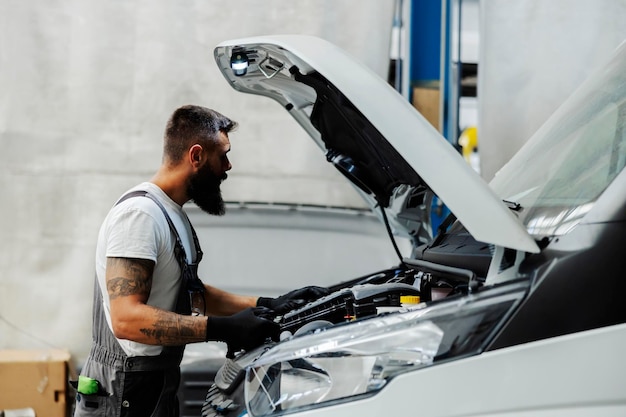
x=191, y=284
x=180, y=249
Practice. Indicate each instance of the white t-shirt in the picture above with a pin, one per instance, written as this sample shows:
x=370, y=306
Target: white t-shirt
x=137, y=228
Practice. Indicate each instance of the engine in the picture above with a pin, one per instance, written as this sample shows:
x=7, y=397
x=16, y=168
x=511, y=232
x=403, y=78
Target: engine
x=364, y=297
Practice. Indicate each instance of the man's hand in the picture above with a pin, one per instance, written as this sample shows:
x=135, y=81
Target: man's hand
x=245, y=330
x=292, y=299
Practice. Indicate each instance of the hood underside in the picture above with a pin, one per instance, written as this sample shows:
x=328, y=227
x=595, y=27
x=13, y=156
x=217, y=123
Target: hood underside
x=371, y=134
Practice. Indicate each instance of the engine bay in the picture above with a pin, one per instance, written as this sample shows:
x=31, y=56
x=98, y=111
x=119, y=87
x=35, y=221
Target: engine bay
x=412, y=284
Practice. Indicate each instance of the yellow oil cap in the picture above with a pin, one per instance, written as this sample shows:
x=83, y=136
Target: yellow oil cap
x=409, y=299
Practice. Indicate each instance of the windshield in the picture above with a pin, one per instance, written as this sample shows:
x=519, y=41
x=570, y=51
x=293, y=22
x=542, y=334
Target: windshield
x=572, y=159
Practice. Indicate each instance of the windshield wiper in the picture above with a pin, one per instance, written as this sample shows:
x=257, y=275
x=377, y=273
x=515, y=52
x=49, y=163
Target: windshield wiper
x=513, y=205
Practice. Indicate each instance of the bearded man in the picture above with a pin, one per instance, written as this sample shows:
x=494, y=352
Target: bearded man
x=148, y=300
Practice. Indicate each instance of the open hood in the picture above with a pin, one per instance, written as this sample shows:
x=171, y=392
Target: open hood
x=368, y=131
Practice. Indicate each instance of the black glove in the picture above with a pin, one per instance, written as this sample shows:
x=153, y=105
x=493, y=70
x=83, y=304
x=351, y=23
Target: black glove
x=245, y=330
x=293, y=299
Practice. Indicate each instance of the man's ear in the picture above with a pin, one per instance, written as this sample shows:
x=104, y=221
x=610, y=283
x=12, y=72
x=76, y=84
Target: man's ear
x=195, y=155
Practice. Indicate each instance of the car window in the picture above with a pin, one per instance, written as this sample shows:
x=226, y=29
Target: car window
x=567, y=165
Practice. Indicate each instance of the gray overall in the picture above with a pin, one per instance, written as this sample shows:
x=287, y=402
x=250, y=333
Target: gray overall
x=137, y=386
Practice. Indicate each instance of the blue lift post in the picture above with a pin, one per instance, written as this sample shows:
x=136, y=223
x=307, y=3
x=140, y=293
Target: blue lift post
x=426, y=42
x=429, y=66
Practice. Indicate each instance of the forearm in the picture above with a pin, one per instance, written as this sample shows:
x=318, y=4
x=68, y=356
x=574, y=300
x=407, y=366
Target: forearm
x=154, y=326
x=223, y=303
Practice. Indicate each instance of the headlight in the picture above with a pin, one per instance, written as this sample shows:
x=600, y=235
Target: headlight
x=360, y=358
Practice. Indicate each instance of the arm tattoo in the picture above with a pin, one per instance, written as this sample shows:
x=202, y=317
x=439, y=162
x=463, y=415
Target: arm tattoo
x=133, y=277
x=174, y=329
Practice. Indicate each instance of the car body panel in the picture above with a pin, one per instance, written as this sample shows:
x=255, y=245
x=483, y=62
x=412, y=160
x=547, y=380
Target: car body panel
x=437, y=163
x=534, y=379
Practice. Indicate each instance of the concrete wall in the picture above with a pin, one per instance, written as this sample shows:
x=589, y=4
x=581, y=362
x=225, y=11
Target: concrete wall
x=85, y=90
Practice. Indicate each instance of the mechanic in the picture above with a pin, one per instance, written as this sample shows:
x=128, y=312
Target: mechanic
x=148, y=301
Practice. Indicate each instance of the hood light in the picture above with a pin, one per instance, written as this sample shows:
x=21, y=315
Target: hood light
x=239, y=62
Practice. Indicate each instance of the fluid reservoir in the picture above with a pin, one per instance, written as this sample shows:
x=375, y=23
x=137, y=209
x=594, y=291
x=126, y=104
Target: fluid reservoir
x=408, y=301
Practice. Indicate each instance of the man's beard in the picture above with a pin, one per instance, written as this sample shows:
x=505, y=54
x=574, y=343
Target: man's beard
x=204, y=190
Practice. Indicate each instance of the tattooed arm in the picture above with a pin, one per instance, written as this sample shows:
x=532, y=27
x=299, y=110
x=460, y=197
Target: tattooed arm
x=128, y=284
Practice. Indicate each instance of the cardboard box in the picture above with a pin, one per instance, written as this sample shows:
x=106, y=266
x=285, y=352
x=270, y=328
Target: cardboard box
x=426, y=101
x=36, y=379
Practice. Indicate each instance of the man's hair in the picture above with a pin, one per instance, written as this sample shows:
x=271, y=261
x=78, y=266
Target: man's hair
x=189, y=125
